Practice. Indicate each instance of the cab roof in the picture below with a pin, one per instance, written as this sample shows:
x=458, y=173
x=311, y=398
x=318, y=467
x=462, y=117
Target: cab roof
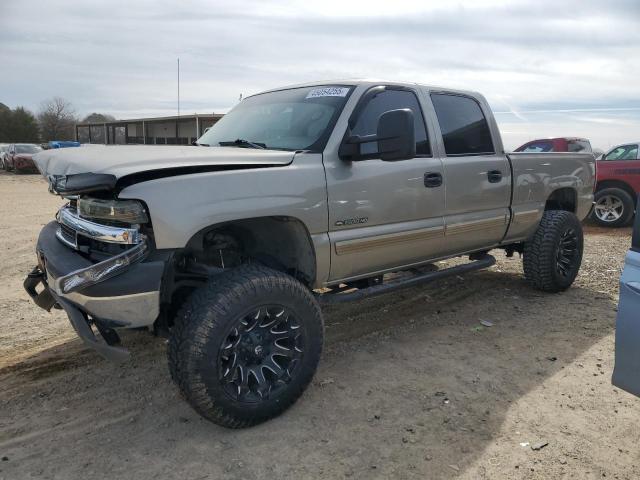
x=370, y=82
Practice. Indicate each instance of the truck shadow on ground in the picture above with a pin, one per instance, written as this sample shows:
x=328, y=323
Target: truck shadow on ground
x=410, y=383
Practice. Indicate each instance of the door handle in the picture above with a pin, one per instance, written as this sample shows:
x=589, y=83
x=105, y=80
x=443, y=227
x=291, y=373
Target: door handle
x=495, y=176
x=432, y=179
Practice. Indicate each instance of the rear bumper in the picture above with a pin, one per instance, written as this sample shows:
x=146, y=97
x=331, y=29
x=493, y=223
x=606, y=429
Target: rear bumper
x=130, y=299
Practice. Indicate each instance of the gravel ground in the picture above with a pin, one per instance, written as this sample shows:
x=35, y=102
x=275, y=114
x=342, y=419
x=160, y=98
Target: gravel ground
x=411, y=385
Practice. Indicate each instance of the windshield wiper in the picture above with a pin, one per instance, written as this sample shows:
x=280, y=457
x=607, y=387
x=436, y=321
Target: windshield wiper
x=239, y=142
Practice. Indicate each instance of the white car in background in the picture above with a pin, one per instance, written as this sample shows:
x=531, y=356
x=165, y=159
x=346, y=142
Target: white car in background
x=4, y=149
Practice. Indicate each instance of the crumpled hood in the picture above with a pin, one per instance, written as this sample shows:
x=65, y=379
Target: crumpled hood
x=121, y=160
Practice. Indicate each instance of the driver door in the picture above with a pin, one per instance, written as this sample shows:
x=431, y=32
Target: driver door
x=384, y=214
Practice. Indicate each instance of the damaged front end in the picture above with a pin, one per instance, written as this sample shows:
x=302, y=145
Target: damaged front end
x=97, y=262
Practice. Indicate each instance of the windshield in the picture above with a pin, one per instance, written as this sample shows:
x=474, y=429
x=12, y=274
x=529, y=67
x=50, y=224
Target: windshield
x=27, y=148
x=294, y=119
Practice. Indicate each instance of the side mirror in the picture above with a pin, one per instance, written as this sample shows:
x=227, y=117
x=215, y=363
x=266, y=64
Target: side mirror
x=396, y=135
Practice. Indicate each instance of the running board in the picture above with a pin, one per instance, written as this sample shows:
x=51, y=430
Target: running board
x=329, y=298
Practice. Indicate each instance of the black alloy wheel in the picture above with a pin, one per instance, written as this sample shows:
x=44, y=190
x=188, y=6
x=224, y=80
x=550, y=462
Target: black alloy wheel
x=567, y=252
x=260, y=354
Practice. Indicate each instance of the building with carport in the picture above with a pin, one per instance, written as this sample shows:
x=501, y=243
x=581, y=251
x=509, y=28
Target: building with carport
x=174, y=130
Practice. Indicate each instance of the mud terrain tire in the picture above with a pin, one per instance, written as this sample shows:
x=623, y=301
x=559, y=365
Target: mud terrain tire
x=246, y=345
x=552, y=257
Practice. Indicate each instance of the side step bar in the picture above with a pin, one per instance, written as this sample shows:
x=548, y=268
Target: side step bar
x=485, y=261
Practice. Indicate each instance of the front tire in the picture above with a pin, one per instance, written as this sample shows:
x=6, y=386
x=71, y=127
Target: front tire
x=552, y=257
x=246, y=345
x=613, y=208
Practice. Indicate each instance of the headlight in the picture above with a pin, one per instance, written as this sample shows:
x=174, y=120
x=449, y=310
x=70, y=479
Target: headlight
x=127, y=211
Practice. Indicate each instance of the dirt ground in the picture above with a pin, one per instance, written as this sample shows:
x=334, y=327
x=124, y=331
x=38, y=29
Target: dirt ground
x=410, y=384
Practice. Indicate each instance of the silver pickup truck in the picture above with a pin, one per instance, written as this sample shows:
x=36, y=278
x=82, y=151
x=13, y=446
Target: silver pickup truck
x=298, y=197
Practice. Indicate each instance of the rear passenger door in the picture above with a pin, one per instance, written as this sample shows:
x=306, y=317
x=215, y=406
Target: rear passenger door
x=477, y=174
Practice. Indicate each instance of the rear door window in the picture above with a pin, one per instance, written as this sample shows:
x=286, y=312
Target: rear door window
x=465, y=130
x=367, y=123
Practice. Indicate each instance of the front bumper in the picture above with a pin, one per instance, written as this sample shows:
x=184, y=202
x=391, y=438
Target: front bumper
x=128, y=298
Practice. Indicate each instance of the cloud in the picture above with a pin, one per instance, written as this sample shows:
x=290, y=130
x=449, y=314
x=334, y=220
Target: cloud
x=120, y=57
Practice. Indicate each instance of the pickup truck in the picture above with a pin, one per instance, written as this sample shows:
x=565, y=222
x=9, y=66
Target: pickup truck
x=560, y=144
x=617, y=185
x=299, y=197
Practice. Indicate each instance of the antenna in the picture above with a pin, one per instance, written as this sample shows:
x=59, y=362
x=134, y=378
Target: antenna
x=178, y=86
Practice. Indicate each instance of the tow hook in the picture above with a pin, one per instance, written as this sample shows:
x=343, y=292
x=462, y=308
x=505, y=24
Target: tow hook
x=43, y=299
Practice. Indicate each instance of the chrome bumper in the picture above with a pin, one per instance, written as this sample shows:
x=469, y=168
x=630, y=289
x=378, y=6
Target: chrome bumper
x=98, y=272
x=68, y=217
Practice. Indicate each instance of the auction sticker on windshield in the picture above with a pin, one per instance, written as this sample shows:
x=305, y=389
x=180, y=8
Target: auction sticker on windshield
x=328, y=92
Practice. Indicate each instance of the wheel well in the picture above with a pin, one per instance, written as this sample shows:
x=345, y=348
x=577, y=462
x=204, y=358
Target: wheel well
x=617, y=184
x=282, y=243
x=562, y=199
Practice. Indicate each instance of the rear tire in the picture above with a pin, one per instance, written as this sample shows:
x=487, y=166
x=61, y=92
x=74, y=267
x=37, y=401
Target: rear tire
x=552, y=257
x=246, y=345
x=613, y=208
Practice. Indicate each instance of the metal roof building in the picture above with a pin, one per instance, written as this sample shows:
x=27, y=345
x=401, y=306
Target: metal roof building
x=175, y=130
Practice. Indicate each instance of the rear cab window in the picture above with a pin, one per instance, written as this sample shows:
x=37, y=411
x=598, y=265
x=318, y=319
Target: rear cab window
x=465, y=130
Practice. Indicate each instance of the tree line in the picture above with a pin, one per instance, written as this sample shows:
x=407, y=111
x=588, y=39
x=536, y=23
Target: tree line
x=55, y=120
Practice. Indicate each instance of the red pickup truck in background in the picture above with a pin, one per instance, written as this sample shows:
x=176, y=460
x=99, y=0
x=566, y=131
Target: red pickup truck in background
x=560, y=144
x=617, y=185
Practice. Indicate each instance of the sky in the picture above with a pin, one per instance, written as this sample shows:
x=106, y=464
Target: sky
x=548, y=68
